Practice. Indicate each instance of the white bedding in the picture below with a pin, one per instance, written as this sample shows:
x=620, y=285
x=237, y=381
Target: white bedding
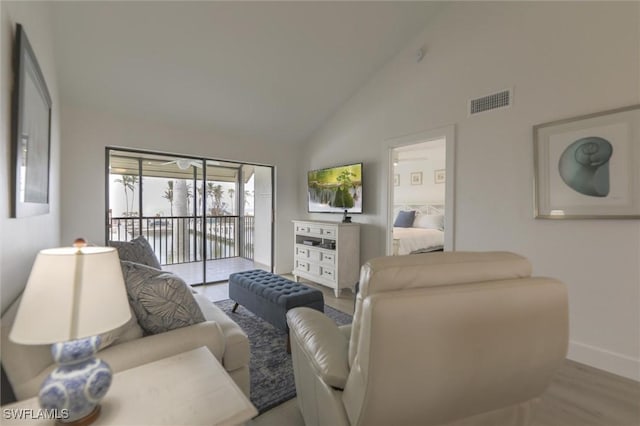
x=408, y=240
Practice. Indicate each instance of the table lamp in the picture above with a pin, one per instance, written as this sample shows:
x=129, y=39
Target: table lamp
x=73, y=294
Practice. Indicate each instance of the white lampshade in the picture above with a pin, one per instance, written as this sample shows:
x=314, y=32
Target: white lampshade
x=71, y=293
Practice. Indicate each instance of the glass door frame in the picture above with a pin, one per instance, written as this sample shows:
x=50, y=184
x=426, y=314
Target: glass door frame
x=204, y=160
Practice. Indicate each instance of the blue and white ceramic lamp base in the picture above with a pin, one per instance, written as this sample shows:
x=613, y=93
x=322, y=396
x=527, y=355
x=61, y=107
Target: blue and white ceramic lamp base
x=75, y=388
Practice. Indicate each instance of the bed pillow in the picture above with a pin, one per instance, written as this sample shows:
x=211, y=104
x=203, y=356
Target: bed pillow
x=162, y=301
x=137, y=250
x=429, y=221
x=405, y=219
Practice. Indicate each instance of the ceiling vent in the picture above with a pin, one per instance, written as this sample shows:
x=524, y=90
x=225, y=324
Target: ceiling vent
x=501, y=99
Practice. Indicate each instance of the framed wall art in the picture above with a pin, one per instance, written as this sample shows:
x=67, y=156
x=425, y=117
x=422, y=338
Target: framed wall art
x=439, y=176
x=588, y=167
x=31, y=132
x=416, y=178
x=396, y=179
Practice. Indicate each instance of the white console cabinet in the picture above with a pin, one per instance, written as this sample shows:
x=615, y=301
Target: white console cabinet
x=327, y=253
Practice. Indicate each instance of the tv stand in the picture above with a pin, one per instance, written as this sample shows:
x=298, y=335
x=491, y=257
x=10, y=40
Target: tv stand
x=327, y=253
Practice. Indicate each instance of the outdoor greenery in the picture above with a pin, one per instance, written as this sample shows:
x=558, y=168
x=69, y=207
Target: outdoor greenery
x=215, y=192
x=179, y=193
x=129, y=183
x=168, y=194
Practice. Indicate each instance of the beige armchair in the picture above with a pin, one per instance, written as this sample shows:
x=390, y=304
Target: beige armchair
x=457, y=338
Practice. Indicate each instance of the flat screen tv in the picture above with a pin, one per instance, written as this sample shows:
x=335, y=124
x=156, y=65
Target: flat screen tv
x=335, y=189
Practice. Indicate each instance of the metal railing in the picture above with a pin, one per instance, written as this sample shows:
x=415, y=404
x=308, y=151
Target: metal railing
x=179, y=239
x=246, y=248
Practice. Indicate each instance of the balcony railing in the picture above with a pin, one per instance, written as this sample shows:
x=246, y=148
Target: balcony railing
x=180, y=239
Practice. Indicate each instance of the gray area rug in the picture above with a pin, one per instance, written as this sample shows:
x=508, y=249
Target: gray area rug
x=270, y=365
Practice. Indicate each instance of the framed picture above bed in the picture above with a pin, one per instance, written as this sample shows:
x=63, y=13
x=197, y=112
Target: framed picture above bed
x=416, y=178
x=588, y=167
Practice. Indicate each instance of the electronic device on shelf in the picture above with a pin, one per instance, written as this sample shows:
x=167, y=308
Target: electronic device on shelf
x=310, y=242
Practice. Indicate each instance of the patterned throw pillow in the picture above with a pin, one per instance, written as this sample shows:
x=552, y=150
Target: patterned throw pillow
x=137, y=250
x=161, y=300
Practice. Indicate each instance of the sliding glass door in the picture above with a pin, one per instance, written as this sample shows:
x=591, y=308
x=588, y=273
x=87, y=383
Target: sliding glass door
x=198, y=214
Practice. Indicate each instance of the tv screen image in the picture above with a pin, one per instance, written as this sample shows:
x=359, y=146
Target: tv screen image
x=335, y=189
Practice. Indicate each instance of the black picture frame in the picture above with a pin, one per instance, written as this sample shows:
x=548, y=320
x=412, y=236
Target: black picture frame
x=31, y=132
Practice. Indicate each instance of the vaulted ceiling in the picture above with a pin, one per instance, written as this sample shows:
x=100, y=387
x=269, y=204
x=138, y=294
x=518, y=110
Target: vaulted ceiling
x=264, y=71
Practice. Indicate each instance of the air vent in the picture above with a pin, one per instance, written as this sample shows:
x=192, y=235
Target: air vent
x=487, y=103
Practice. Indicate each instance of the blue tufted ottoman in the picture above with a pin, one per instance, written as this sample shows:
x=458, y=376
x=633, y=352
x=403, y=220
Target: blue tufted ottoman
x=270, y=296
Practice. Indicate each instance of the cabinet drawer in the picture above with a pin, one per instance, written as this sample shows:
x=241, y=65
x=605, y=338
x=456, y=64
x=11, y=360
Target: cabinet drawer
x=302, y=265
x=314, y=230
x=302, y=228
x=328, y=273
x=328, y=258
x=329, y=232
x=302, y=252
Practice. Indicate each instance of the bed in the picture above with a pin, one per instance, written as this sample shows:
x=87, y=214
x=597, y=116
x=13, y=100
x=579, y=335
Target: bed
x=418, y=228
x=417, y=240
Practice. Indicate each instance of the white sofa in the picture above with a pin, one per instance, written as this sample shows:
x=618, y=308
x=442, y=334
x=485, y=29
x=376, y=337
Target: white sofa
x=27, y=366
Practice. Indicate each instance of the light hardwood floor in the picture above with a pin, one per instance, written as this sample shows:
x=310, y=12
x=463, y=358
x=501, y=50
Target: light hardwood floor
x=579, y=395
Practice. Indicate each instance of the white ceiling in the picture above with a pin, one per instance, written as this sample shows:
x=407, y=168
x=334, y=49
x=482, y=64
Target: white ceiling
x=266, y=71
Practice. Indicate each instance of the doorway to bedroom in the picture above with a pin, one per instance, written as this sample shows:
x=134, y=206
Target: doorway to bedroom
x=421, y=183
x=203, y=218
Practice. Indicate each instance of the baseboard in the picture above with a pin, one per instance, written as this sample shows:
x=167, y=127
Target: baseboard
x=615, y=363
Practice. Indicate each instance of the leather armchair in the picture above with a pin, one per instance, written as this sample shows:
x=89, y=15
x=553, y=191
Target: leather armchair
x=456, y=338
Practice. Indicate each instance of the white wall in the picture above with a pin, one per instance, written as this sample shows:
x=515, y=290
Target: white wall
x=88, y=132
x=563, y=60
x=428, y=190
x=21, y=239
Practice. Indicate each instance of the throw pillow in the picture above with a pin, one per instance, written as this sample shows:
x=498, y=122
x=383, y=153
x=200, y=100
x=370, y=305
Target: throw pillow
x=405, y=219
x=429, y=221
x=137, y=250
x=162, y=301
